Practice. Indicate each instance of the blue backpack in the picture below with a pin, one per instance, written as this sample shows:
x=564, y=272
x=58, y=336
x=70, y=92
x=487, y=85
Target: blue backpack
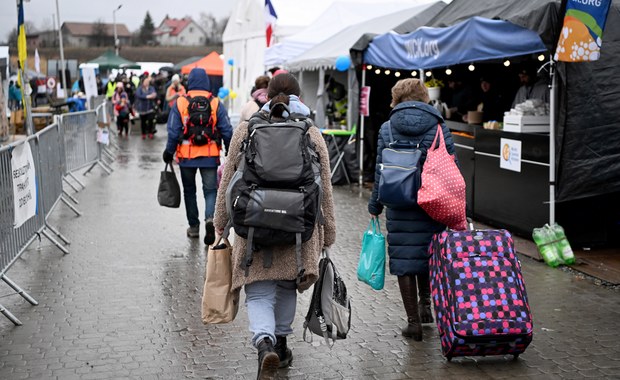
x=400, y=177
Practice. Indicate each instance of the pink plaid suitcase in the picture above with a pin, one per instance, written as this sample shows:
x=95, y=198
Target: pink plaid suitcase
x=478, y=294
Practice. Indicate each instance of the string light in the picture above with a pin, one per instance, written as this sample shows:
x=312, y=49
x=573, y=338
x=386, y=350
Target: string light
x=414, y=73
x=369, y=67
x=471, y=67
x=541, y=57
x=377, y=71
x=506, y=63
x=387, y=72
x=448, y=71
x=397, y=74
x=428, y=74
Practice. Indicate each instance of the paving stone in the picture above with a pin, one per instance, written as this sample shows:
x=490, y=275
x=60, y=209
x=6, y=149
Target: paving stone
x=125, y=304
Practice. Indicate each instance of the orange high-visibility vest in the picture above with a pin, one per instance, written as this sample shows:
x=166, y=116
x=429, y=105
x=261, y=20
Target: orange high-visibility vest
x=186, y=149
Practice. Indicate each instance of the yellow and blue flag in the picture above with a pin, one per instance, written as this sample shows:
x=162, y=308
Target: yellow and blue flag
x=21, y=37
x=582, y=33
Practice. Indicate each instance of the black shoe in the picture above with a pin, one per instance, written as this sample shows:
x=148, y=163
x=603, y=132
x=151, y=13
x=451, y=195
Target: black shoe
x=284, y=353
x=426, y=315
x=210, y=233
x=413, y=330
x=268, y=360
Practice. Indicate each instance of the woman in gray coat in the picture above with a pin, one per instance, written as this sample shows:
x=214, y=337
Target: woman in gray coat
x=271, y=292
x=410, y=230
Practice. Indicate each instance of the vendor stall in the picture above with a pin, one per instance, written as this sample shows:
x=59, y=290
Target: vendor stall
x=586, y=137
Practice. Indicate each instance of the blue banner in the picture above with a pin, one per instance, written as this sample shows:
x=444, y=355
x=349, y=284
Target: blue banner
x=477, y=39
x=582, y=33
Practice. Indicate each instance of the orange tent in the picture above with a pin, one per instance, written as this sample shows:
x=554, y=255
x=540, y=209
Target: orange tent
x=212, y=64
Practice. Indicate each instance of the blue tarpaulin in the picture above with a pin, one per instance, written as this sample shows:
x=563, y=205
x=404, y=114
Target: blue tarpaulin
x=477, y=39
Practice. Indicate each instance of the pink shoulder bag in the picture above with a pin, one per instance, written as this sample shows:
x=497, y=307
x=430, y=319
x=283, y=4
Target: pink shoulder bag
x=442, y=194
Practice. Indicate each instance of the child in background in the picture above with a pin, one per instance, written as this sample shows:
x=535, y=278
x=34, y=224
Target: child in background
x=122, y=110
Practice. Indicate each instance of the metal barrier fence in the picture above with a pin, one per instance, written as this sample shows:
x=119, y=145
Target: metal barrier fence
x=58, y=150
x=79, y=130
x=48, y=172
x=52, y=170
x=95, y=101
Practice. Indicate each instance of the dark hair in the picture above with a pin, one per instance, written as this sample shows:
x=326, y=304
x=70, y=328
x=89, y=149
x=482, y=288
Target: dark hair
x=261, y=82
x=280, y=87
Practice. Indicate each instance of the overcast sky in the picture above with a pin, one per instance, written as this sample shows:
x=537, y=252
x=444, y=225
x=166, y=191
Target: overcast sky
x=41, y=12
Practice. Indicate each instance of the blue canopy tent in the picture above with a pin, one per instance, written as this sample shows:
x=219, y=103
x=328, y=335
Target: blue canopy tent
x=476, y=39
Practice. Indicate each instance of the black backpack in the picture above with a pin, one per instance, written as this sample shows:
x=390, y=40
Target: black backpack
x=274, y=198
x=200, y=128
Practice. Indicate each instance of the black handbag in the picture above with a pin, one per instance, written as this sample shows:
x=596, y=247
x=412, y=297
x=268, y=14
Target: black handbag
x=169, y=191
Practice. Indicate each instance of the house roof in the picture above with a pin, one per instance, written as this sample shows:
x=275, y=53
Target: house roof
x=86, y=29
x=173, y=26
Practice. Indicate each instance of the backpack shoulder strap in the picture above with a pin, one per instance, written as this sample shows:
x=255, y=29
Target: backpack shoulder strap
x=389, y=128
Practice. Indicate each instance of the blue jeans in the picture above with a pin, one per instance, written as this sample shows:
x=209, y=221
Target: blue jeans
x=271, y=308
x=209, y=189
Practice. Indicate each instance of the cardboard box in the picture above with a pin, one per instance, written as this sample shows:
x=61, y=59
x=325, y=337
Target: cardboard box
x=526, y=123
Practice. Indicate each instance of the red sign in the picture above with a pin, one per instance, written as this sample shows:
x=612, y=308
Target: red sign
x=364, y=100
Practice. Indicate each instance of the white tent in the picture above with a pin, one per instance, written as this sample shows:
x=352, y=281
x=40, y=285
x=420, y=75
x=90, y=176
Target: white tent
x=337, y=17
x=245, y=42
x=324, y=54
x=313, y=64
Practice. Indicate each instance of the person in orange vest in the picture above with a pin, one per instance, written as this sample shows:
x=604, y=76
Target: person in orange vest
x=174, y=91
x=198, y=126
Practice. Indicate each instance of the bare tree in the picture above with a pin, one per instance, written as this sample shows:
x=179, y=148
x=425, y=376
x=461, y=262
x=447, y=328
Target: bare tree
x=46, y=24
x=100, y=33
x=11, y=38
x=213, y=28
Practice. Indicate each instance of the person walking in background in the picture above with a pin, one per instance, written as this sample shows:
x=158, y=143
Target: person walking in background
x=173, y=91
x=410, y=230
x=193, y=157
x=145, y=105
x=259, y=98
x=120, y=102
x=15, y=96
x=122, y=110
x=116, y=96
x=271, y=292
x=110, y=87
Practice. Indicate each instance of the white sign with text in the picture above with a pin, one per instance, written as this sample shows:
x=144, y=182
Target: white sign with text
x=24, y=184
x=510, y=154
x=90, y=81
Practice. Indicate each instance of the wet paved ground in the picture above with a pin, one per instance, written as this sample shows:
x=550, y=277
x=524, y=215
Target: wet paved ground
x=125, y=303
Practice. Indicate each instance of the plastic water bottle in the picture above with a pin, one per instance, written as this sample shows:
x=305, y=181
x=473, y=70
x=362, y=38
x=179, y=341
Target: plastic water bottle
x=543, y=238
x=562, y=245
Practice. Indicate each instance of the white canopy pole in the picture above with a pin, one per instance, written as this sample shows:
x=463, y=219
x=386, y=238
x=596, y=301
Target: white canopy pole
x=552, y=102
x=362, y=117
x=320, y=101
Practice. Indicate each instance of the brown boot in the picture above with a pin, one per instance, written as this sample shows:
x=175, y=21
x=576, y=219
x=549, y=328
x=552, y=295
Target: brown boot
x=408, y=290
x=424, y=305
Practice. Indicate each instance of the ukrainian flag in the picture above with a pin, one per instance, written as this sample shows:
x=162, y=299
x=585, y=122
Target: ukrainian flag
x=21, y=37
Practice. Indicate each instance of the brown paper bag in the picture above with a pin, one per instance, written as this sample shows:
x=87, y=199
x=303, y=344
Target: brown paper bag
x=219, y=303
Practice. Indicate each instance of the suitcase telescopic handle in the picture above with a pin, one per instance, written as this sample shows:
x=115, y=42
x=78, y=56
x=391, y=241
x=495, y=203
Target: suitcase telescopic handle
x=470, y=223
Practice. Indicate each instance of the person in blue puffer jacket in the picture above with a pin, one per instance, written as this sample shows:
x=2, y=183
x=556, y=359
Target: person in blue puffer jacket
x=410, y=230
